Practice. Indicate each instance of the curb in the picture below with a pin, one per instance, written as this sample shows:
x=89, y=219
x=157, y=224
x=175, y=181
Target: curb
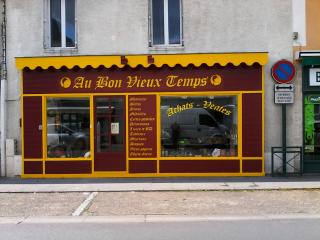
x=127, y=187
x=150, y=219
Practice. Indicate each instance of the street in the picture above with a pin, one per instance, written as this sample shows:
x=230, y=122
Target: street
x=257, y=228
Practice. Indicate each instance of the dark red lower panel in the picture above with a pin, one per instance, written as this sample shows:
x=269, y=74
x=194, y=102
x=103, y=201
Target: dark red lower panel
x=68, y=167
x=32, y=119
x=200, y=166
x=111, y=163
x=33, y=167
x=142, y=166
x=252, y=125
x=252, y=166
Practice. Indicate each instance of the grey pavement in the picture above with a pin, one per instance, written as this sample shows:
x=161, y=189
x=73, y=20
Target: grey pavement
x=16, y=185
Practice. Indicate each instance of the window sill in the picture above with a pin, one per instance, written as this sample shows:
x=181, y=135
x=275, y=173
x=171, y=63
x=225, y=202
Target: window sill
x=166, y=47
x=61, y=51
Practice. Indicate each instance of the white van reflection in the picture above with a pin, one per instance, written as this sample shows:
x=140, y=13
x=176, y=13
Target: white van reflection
x=194, y=126
x=63, y=141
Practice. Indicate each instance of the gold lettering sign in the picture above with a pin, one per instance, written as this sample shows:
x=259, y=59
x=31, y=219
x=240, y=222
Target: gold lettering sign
x=135, y=81
x=206, y=105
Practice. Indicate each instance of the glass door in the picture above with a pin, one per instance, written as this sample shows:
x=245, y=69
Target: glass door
x=110, y=145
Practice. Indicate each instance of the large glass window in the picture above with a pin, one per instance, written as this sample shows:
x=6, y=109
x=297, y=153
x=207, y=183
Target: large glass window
x=68, y=127
x=166, y=24
x=62, y=23
x=312, y=126
x=203, y=126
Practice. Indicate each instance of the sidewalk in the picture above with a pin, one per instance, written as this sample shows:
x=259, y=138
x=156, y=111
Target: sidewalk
x=162, y=197
x=18, y=185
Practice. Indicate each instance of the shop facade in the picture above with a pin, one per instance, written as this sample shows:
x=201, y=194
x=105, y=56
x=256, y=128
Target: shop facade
x=143, y=115
x=310, y=62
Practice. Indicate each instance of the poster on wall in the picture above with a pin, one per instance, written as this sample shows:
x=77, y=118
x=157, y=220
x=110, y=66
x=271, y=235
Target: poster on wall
x=115, y=128
x=314, y=76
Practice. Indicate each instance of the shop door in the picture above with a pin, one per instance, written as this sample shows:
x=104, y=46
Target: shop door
x=109, y=137
x=311, y=133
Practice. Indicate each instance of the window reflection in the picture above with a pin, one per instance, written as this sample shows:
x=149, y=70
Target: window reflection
x=174, y=21
x=70, y=23
x=62, y=33
x=109, y=124
x=158, y=22
x=199, y=126
x=312, y=127
x=55, y=22
x=68, y=127
x=166, y=22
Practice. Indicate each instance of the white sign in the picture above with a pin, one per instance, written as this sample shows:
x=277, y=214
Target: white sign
x=115, y=128
x=314, y=77
x=283, y=87
x=283, y=97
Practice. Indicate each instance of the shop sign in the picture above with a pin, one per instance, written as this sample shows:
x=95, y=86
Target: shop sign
x=314, y=77
x=165, y=79
x=134, y=81
x=314, y=99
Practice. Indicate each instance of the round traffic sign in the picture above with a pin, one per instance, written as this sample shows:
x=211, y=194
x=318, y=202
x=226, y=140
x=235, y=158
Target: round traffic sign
x=283, y=71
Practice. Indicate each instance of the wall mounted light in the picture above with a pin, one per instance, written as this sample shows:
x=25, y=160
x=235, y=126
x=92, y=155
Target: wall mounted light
x=150, y=59
x=124, y=60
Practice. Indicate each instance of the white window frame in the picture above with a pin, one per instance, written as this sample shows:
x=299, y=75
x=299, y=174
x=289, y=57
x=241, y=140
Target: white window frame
x=166, y=26
x=47, y=27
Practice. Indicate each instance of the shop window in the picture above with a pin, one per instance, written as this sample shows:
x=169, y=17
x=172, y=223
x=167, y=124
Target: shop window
x=203, y=126
x=312, y=127
x=60, y=24
x=165, y=23
x=68, y=128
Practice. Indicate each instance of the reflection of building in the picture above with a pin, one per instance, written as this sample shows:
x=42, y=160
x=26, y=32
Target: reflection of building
x=117, y=82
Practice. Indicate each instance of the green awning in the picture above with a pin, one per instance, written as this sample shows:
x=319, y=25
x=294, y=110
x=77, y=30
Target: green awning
x=308, y=61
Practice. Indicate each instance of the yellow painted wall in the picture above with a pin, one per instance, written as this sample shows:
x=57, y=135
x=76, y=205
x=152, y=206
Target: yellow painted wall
x=313, y=24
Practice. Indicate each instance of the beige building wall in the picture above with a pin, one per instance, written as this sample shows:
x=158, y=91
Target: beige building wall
x=312, y=24
x=306, y=22
x=116, y=27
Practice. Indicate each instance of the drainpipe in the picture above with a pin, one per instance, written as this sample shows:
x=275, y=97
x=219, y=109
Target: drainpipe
x=3, y=105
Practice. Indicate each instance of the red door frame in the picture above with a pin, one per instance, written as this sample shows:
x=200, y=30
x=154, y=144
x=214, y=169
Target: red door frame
x=108, y=160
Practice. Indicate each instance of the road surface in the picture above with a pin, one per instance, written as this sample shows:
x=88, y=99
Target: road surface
x=246, y=228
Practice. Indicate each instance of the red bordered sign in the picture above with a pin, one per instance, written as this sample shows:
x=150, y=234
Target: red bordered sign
x=283, y=71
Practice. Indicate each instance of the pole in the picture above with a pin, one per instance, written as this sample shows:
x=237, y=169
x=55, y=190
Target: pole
x=284, y=139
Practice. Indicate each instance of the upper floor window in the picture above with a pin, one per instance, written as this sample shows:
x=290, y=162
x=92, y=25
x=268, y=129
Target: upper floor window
x=61, y=24
x=165, y=23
